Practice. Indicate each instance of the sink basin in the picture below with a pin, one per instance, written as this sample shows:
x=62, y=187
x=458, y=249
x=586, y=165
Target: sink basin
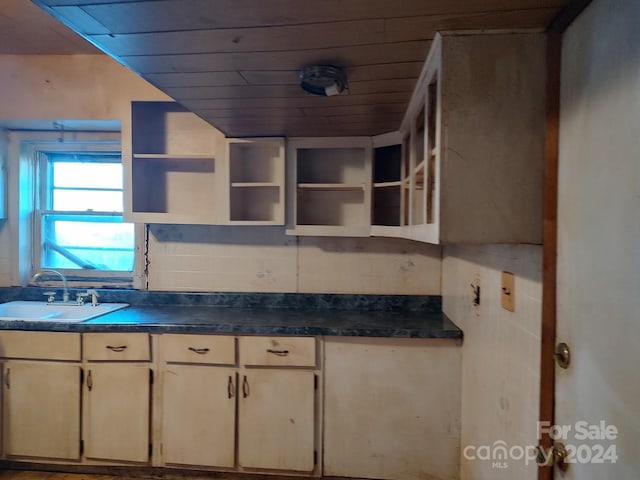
x=28, y=311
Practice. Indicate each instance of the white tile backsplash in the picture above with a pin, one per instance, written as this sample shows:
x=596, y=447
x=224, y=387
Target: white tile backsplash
x=264, y=259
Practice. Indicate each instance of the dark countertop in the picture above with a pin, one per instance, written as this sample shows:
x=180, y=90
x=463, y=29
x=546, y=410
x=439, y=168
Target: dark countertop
x=196, y=319
x=400, y=316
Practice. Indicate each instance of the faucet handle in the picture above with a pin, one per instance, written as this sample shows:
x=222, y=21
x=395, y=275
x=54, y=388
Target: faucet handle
x=51, y=296
x=94, y=296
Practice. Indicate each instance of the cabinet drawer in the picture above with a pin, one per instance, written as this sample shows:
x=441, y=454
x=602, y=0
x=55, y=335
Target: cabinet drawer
x=218, y=349
x=117, y=346
x=278, y=351
x=40, y=345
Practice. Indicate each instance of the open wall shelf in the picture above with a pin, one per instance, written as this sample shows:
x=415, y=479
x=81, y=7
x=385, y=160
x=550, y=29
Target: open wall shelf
x=331, y=183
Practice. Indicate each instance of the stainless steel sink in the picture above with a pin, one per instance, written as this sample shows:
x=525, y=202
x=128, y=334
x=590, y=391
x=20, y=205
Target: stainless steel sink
x=29, y=311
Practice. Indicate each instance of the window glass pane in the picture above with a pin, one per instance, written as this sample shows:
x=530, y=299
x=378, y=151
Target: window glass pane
x=83, y=200
x=86, y=244
x=87, y=174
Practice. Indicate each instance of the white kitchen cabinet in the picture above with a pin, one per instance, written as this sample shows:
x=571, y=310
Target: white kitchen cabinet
x=391, y=408
x=276, y=423
x=256, y=181
x=117, y=397
x=277, y=403
x=472, y=144
x=329, y=186
x=41, y=395
x=42, y=410
x=175, y=172
x=198, y=400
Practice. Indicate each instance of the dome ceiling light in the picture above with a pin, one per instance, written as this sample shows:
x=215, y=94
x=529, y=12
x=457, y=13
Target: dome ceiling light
x=324, y=80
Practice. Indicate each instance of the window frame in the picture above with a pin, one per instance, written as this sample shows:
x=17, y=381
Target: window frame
x=41, y=194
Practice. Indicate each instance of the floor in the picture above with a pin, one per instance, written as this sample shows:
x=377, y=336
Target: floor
x=29, y=475
x=35, y=475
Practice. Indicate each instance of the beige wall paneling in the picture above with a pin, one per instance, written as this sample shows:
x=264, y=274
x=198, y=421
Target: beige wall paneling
x=599, y=232
x=392, y=408
x=500, y=352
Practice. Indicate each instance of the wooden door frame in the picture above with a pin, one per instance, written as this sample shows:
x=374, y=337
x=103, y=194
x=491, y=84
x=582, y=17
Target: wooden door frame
x=555, y=32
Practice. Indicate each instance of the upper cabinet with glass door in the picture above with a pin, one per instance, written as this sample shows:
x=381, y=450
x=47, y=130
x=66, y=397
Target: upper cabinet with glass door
x=469, y=168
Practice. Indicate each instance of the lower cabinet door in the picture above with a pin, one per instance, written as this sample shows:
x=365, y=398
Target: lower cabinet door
x=116, y=421
x=41, y=410
x=276, y=419
x=198, y=415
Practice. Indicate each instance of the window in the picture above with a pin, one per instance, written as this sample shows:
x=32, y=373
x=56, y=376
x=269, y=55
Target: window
x=80, y=216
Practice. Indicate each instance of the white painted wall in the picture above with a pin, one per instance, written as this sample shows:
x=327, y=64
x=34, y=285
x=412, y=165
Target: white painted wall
x=599, y=232
x=196, y=258
x=500, y=352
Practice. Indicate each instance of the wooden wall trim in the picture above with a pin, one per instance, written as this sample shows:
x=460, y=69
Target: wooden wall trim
x=549, y=247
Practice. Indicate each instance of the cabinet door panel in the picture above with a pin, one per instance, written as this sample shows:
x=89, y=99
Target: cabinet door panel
x=276, y=420
x=117, y=412
x=42, y=410
x=199, y=415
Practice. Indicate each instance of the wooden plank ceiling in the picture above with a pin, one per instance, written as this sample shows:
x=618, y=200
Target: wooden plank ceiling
x=236, y=62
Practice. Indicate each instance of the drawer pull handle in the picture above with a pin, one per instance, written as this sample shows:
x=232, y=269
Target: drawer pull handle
x=199, y=351
x=245, y=387
x=6, y=378
x=230, y=388
x=89, y=381
x=121, y=348
x=280, y=353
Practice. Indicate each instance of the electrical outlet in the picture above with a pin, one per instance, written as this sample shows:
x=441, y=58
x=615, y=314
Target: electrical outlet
x=508, y=294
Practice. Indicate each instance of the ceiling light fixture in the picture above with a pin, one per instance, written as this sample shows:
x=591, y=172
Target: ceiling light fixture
x=325, y=80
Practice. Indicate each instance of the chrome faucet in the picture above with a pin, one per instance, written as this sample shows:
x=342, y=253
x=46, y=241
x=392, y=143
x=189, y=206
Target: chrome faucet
x=94, y=297
x=65, y=290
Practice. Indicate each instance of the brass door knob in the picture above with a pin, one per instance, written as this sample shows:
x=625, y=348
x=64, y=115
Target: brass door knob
x=562, y=355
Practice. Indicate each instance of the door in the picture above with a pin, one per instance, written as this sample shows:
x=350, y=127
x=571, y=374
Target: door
x=42, y=410
x=199, y=415
x=276, y=419
x=598, y=280
x=117, y=412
